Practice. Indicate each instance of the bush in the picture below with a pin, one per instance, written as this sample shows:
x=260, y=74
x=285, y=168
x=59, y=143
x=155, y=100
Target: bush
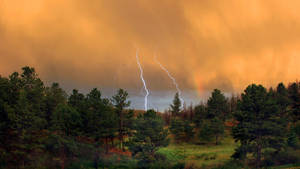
x=179, y=166
x=296, y=128
x=288, y=156
x=293, y=140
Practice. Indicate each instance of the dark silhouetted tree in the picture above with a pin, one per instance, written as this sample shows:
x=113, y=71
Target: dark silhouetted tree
x=259, y=124
x=200, y=115
x=54, y=96
x=216, y=114
x=217, y=106
x=120, y=102
x=149, y=136
x=176, y=106
x=294, y=95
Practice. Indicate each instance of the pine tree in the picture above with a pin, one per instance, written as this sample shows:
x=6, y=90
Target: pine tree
x=108, y=125
x=294, y=95
x=65, y=126
x=200, y=114
x=259, y=124
x=149, y=136
x=176, y=106
x=282, y=100
x=216, y=114
x=177, y=129
x=120, y=102
x=217, y=106
x=188, y=130
x=66, y=120
x=180, y=127
x=54, y=96
x=79, y=102
x=25, y=117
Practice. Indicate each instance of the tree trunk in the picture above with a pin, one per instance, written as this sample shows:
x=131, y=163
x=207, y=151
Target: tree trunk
x=112, y=142
x=121, y=130
x=258, y=158
x=121, y=137
x=106, y=145
x=96, y=158
x=217, y=139
x=63, y=157
x=258, y=151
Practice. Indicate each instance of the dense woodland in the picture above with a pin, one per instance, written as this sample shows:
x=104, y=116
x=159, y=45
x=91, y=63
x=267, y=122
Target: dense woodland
x=44, y=127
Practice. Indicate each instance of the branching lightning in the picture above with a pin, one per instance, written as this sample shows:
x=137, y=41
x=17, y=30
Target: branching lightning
x=144, y=82
x=172, y=78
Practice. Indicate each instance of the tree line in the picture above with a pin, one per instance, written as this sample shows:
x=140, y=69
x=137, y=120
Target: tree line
x=44, y=127
x=265, y=123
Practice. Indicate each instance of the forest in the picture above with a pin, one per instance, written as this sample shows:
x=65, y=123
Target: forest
x=44, y=127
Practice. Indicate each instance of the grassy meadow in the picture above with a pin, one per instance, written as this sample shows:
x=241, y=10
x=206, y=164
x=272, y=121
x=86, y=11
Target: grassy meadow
x=199, y=154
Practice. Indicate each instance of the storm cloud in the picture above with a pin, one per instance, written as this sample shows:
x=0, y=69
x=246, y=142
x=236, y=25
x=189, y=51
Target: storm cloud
x=205, y=44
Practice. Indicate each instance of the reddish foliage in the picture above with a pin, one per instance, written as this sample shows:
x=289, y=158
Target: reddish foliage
x=119, y=152
x=231, y=123
x=84, y=139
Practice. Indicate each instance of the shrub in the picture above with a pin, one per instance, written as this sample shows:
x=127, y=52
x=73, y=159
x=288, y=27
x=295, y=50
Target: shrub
x=288, y=156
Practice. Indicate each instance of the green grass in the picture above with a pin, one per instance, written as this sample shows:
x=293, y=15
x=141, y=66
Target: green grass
x=200, y=156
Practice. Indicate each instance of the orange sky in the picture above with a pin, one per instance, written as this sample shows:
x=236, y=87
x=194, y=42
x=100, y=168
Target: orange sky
x=205, y=44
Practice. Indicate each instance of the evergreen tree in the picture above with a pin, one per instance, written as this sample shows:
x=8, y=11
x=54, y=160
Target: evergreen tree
x=217, y=106
x=282, y=97
x=5, y=124
x=200, y=114
x=232, y=105
x=217, y=111
x=95, y=107
x=65, y=124
x=108, y=124
x=259, y=124
x=212, y=128
x=25, y=117
x=177, y=129
x=79, y=102
x=188, y=130
x=149, y=136
x=294, y=95
x=128, y=122
x=120, y=102
x=54, y=96
x=180, y=126
x=66, y=120
x=181, y=129
x=205, y=132
x=97, y=112
x=176, y=106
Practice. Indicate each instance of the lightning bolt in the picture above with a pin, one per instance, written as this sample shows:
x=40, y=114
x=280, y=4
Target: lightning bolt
x=172, y=78
x=142, y=78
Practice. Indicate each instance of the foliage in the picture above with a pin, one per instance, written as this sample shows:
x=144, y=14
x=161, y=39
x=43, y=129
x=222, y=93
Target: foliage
x=66, y=120
x=200, y=114
x=213, y=117
x=120, y=102
x=150, y=135
x=181, y=129
x=42, y=127
x=176, y=106
x=217, y=106
x=294, y=96
x=259, y=124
